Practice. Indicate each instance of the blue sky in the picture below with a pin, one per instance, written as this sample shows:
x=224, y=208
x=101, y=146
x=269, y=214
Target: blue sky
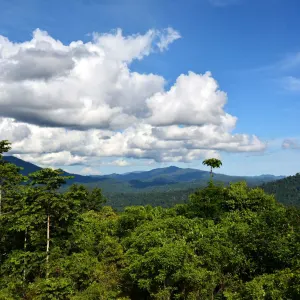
x=251, y=47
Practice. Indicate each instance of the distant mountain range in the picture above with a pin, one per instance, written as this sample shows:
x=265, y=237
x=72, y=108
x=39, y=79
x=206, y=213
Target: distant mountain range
x=162, y=179
x=30, y=168
x=169, y=186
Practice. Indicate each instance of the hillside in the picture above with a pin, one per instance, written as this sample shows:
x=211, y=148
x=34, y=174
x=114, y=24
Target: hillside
x=286, y=190
x=29, y=168
x=161, y=179
x=163, y=186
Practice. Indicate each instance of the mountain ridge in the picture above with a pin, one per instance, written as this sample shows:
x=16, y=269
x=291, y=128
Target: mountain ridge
x=16, y=160
x=161, y=186
x=159, y=176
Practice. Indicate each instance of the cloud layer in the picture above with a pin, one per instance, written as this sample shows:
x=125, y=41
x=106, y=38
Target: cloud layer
x=71, y=104
x=291, y=144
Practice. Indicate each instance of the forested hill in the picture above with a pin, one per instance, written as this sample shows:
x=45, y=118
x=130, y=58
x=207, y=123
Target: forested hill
x=286, y=191
x=161, y=179
x=30, y=168
x=158, y=187
x=27, y=166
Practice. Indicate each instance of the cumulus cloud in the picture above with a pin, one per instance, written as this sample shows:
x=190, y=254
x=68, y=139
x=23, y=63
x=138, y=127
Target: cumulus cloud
x=163, y=144
x=193, y=100
x=62, y=158
x=88, y=84
x=72, y=104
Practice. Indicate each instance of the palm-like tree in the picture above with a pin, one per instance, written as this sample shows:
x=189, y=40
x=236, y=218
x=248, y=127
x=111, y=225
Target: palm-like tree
x=212, y=163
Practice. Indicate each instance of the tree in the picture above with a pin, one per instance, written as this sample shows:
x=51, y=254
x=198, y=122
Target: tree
x=88, y=200
x=207, y=202
x=212, y=163
x=49, y=181
x=11, y=196
x=9, y=174
x=5, y=146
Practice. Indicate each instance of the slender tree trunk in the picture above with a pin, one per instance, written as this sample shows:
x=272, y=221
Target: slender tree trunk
x=0, y=213
x=48, y=244
x=211, y=174
x=0, y=200
x=25, y=247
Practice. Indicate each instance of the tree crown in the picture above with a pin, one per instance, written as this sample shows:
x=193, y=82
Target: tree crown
x=212, y=162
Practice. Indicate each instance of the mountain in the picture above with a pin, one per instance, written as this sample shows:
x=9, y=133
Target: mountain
x=168, y=186
x=30, y=168
x=286, y=190
x=27, y=166
x=161, y=179
x=174, y=175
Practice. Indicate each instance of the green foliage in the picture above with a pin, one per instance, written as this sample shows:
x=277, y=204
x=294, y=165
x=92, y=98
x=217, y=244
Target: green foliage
x=50, y=289
x=212, y=163
x=5, y=146
x=51, y=179
x=286, y=191
x=227, y=242
x=159, y=187
x=283, y=284
x=207, y=202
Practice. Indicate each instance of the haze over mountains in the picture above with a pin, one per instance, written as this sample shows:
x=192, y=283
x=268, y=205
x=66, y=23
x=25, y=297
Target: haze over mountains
x=162, y=179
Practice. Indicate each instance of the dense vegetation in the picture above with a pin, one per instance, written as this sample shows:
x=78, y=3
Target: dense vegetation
x=166, y=199
x=225, y=243
x=286, y=191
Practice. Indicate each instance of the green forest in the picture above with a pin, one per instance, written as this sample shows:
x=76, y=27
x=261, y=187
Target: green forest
x=286, y=191
x=226, y=242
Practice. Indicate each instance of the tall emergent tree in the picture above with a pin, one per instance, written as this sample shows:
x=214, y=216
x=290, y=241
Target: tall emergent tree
x=48, y=181
x=212, y=163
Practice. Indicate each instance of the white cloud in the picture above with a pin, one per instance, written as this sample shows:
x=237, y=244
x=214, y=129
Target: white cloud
x=62, y=158
x=291, y=144
x=81, y=102
x=120, y=163
x=78, y=85
x=170, y=143
x=167, y=37
x=89, y=171
x=193, y=100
